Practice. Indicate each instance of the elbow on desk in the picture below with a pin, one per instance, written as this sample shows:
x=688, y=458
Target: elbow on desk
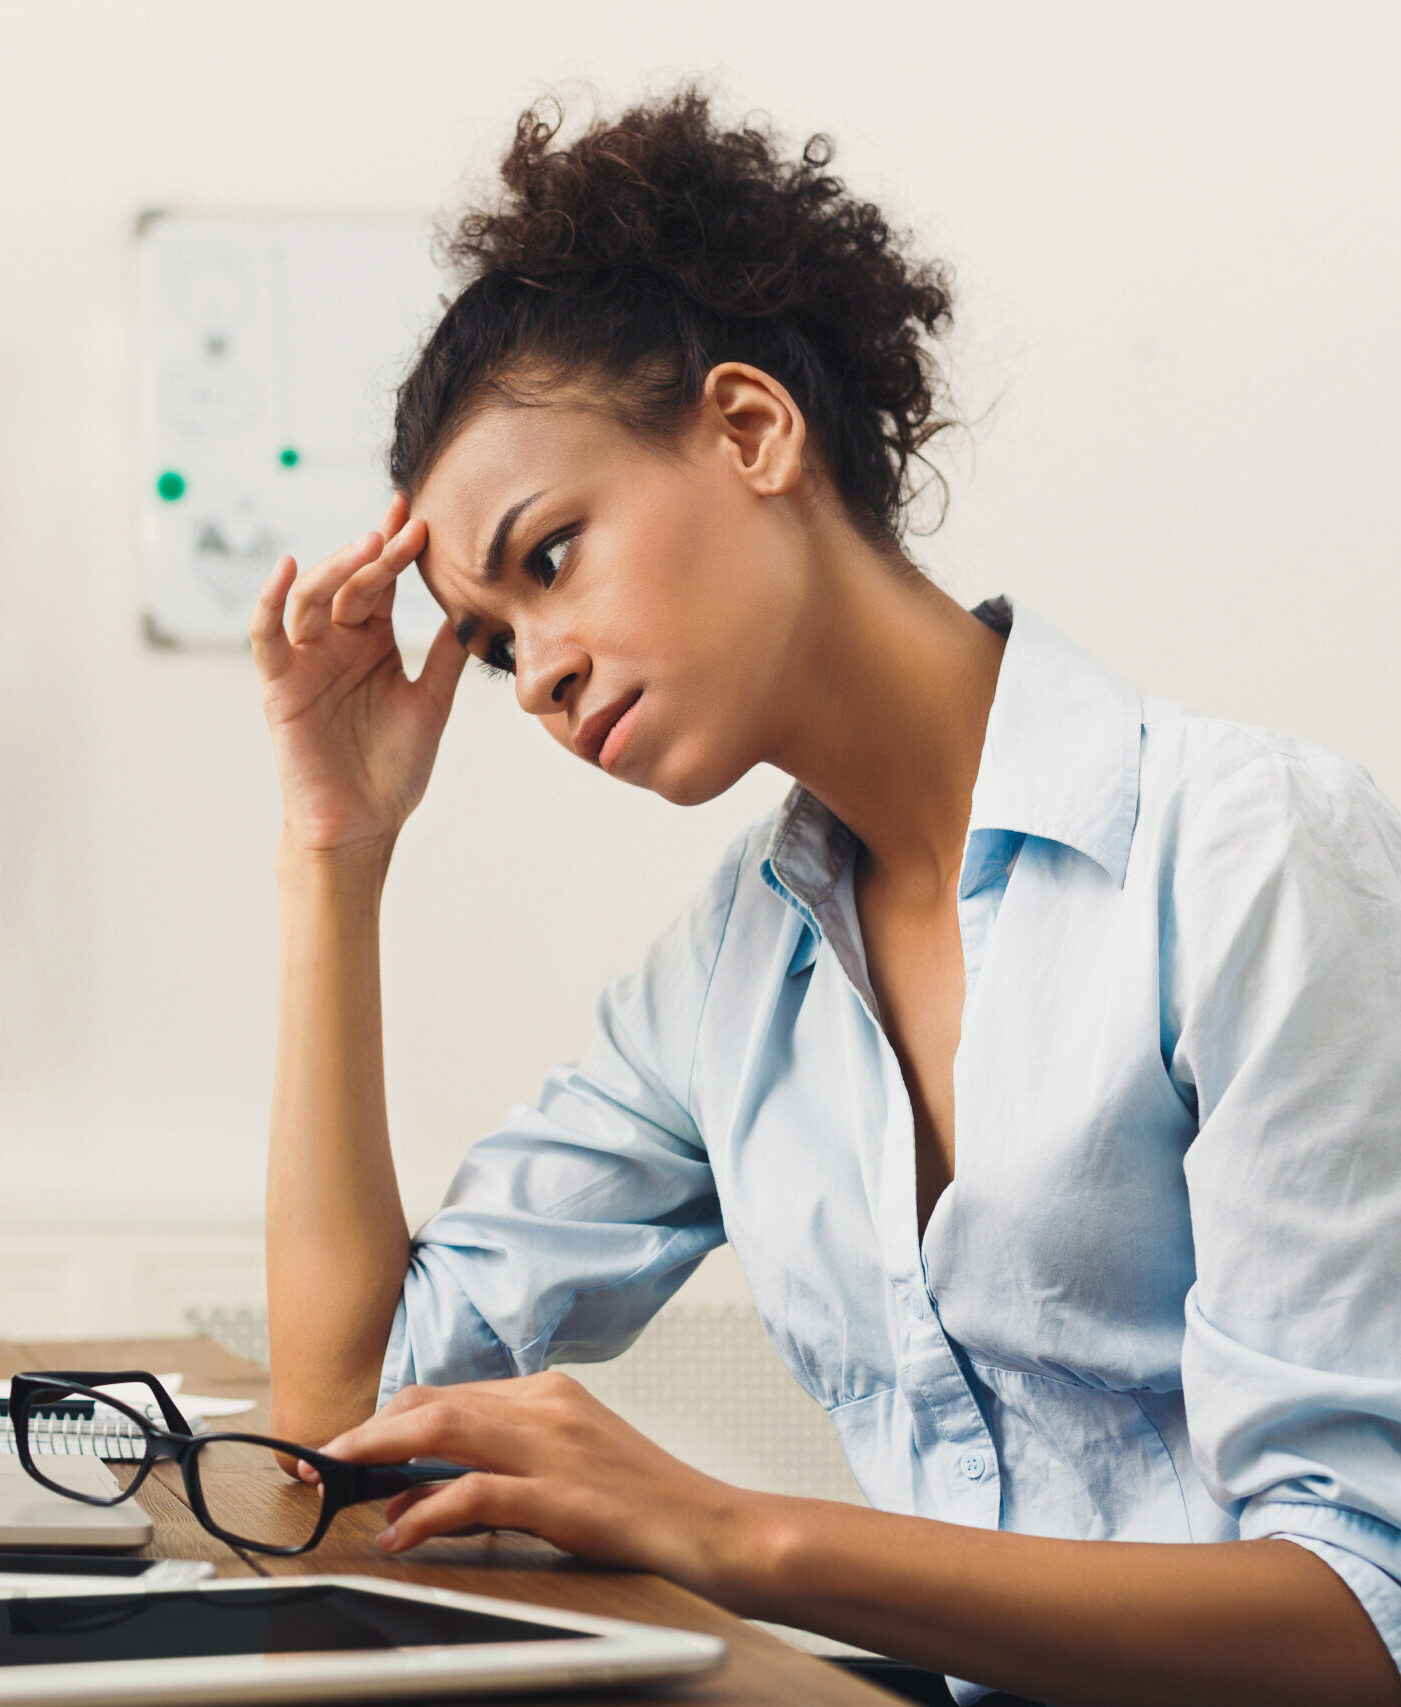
x=287, y=1464
x=310, y=1429
x=304, y=1416
x=324, y=1370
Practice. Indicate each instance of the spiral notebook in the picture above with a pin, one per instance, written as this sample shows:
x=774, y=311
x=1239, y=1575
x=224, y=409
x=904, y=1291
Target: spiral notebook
x=79, y=1429
x=84, y=1428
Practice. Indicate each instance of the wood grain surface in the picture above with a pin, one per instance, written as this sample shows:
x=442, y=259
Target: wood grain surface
x=760, y=1671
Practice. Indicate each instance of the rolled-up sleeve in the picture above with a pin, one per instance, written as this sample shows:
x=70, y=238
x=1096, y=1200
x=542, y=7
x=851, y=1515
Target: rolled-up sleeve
x=1283, y=949
x=567, y=1228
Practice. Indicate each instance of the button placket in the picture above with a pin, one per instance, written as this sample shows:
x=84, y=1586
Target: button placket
x=949, y=1433
x=946, y=1423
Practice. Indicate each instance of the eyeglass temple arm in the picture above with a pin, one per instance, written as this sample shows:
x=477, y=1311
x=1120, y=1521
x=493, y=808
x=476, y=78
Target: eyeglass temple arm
x=174, y=1421
x=378, y=1481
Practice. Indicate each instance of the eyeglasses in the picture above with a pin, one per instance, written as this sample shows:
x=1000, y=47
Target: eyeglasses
x=218, y=1468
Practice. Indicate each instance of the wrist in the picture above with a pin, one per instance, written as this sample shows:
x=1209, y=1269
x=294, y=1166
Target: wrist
x=750, y=1550
x=355, y=866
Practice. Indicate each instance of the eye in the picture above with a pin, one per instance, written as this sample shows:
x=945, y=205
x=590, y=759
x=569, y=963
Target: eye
x=500, y=659
x=547, y=560
x=545, y=563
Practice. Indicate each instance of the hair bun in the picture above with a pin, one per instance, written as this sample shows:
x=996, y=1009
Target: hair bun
x=719, y=214
x=661, y=232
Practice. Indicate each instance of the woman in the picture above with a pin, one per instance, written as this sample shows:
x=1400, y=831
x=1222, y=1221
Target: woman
x=654, y=463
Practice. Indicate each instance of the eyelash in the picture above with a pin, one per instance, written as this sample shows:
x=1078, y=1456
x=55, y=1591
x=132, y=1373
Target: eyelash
x=535, y=563
x=537, y=557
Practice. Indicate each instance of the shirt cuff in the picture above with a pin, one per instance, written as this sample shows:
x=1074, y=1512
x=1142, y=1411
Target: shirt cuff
x=437, y=1337
x=1352, y=1544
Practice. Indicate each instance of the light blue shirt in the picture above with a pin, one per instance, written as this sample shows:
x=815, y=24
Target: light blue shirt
x=1161, y=1299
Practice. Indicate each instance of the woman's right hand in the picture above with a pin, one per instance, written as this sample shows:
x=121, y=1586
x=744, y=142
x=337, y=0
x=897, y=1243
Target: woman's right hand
x=355, y=738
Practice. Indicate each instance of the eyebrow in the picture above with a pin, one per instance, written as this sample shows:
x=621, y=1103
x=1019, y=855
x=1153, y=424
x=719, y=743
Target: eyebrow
x=495, y=561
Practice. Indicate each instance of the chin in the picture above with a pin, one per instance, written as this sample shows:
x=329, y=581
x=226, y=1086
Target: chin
x=695, y=784
x=689, y=794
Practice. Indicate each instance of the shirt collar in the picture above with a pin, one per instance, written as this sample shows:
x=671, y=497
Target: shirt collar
x=1060, y=761
x=1061, y=752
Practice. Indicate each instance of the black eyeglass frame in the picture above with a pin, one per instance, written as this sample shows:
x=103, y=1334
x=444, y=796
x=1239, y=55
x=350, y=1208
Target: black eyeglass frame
x=342, y=1484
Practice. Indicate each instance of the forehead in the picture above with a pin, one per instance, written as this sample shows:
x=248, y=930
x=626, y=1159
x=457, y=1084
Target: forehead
x=503, y=454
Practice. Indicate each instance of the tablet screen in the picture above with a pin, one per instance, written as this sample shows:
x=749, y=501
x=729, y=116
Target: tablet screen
x=193, y=1625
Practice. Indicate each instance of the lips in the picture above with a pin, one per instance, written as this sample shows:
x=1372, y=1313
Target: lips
x=593, y=731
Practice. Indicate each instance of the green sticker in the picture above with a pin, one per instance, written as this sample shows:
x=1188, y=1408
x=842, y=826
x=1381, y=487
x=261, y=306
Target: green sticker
x=171, y=485
x=290, y=458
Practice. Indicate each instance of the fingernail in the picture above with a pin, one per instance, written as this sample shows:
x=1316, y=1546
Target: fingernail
x=386, y=1538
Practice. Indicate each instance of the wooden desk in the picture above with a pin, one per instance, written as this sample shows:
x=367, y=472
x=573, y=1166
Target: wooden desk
x=760, y=1668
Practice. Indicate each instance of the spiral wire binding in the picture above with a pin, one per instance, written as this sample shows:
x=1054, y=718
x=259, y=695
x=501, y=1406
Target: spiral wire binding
x=113, y=1438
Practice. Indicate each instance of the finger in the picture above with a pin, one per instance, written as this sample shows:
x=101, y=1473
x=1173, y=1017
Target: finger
x=395, y=516
x=401, y=1502
x=476, y=1502
x=308, y=604
x=414, y=1397
x=358, y=599
x=408, y=1399
x=391, y=1437
x=384, y=610
x=405, y=1399
x=272, y=651
x=443, y=667
x=462, y=1430
x=355, y=600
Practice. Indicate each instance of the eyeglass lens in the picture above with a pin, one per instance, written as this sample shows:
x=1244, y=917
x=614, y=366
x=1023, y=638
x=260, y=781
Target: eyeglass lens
x=250, y=1497
x=67, y=1430
x=245, y=1491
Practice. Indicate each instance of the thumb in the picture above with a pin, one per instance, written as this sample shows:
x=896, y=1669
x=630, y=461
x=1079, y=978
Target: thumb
x=443, y=667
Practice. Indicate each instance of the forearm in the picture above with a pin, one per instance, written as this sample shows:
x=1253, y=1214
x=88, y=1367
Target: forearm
x=1076, y=1622
x=337, y=1239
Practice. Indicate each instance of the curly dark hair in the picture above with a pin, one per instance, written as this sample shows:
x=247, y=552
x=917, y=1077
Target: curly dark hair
x=651, y=249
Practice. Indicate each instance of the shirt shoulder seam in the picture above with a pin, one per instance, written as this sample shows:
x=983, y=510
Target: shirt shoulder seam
x=1258, y=738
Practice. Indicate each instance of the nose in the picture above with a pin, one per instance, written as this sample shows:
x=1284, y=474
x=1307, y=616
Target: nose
x=547, y=666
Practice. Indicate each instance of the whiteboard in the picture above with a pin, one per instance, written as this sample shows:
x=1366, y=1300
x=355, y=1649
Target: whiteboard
x=268, y=352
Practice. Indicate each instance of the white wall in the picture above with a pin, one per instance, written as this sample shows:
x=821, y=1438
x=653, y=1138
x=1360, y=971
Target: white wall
x=1177, y=239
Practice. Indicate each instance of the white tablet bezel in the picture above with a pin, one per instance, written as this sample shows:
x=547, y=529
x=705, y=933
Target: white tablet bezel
x=627, y=1653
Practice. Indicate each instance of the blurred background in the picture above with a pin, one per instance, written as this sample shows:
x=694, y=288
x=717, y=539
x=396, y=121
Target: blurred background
x=1176, y=242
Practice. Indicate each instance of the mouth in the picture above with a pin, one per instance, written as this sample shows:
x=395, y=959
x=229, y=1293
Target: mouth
x=594, y=731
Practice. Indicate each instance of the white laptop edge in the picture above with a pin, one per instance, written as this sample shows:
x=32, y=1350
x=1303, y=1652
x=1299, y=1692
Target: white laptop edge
x=32, y=1515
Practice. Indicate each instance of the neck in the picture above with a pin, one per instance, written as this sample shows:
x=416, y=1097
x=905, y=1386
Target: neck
x=882, y=716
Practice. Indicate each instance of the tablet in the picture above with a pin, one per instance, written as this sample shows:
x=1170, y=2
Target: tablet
x=317, y=1639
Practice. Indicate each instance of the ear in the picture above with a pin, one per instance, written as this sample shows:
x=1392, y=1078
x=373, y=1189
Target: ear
x=758, y=425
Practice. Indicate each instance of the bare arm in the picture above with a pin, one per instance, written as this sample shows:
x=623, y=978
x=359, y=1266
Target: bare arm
x=355, y=742
x=1081, y=1623
x=337, y=1240
x=1084, y=1623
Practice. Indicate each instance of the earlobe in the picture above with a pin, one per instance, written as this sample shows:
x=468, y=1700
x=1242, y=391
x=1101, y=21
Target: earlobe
x=761, y=424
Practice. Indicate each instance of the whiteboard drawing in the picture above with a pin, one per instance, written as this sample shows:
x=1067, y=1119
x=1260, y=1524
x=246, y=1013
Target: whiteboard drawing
x=268, y=352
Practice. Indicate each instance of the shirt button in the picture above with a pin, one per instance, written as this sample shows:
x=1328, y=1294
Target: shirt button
x=972, y=1465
